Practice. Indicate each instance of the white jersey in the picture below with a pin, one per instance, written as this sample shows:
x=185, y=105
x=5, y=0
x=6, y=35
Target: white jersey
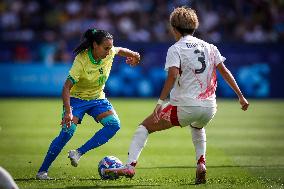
x=197, y=80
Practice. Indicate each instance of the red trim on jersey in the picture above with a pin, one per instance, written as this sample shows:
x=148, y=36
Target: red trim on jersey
x=169, y=113
x=211, y=86
x=166, y=109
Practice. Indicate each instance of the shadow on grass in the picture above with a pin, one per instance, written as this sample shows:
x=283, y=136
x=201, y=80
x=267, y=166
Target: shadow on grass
x=113, y=186
x=56, y=179
x=24, y=179
x=165, y=167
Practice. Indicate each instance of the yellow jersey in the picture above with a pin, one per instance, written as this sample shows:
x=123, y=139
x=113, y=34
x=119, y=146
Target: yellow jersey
x=88, y=76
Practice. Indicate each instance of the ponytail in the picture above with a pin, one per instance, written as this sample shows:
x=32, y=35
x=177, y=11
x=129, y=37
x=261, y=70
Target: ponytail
x=91, y=36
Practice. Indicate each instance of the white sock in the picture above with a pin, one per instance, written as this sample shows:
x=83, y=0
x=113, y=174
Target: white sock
x=199, y=141
x=137, y=144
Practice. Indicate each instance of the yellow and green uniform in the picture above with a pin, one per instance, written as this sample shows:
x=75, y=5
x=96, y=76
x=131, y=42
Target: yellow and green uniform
x=88, y=76
x=87, y=96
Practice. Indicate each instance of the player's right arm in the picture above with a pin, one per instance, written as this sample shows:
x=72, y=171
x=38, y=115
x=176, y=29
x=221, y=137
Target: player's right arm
x=67, y=119
x=229, y=78
x=74, y=76
x=168, y=85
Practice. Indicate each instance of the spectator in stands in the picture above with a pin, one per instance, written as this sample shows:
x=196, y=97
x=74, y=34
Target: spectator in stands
x=249, y=21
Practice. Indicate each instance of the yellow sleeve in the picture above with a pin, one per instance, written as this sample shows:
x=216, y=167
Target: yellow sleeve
x=115, y=49
x=76, y=70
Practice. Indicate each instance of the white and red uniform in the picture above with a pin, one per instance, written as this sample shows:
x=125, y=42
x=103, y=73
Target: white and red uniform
x=193, y=99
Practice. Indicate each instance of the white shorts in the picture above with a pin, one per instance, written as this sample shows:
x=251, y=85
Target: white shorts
x=195, y=116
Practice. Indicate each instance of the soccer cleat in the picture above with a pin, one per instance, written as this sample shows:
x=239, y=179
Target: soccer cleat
x=127, y=170
x=74, y=157
x=200, y=171
x=42, y=176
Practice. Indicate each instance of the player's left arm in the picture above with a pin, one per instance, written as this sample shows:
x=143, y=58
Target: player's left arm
x=229, y=78
x=132, y=57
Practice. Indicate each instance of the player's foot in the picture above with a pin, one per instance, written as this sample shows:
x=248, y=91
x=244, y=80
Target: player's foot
x=127, y=170
x=74, y=157
x=42, y=176
x=200, y=171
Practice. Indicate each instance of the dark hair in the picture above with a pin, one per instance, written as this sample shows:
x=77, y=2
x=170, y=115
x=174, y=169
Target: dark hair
x=89, y=37
x=183, y=31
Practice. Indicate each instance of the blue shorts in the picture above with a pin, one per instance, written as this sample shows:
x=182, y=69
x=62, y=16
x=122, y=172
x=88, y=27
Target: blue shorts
x=91, y=107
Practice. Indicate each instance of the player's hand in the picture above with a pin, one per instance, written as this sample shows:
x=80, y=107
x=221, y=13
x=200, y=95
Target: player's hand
x=134, y=60
x=67, y=119
x=244, y=103
x=157, y=112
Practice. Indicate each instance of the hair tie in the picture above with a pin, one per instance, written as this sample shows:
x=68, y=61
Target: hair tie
x=94, y=31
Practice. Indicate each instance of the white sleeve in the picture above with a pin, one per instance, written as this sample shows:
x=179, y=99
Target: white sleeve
x=173, y=58
x=218, y=57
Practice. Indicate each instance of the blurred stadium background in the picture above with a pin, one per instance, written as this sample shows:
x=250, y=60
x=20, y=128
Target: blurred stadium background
x=37, y=39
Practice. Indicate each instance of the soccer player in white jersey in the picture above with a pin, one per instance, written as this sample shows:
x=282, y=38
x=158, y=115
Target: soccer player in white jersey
x=191, y=64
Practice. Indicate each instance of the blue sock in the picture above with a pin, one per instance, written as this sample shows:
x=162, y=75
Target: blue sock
x=111, y=125
x=57, y=145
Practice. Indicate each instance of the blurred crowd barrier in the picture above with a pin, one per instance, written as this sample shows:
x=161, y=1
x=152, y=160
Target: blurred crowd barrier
x=257, y=68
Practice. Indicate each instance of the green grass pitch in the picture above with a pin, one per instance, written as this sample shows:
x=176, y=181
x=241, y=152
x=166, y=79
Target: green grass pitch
x=244, y=149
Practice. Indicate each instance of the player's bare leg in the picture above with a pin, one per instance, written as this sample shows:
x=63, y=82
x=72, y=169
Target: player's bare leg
x=151, y=126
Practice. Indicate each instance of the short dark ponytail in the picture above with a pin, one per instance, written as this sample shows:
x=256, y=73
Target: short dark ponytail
x=89, y=37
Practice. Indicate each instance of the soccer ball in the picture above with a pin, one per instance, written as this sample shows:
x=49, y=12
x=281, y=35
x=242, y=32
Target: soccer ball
x=106, y=163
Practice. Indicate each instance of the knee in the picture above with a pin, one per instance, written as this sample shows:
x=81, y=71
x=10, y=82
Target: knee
x=112, y=122
x=148, y=124
x=69, y=131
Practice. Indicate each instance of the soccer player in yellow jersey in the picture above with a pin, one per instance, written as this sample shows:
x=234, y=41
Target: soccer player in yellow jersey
x=83, y=93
